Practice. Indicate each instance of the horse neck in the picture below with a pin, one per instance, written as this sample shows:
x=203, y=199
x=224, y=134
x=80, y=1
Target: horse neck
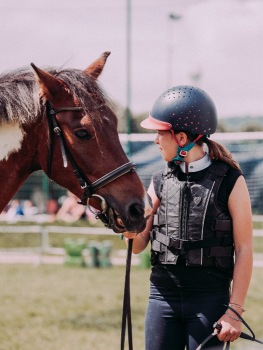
x=18, y=159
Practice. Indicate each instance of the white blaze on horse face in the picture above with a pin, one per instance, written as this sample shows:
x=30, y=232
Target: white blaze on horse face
x=11, y=137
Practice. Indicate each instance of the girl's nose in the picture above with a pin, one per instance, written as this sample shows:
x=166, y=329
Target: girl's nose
x=157, y=139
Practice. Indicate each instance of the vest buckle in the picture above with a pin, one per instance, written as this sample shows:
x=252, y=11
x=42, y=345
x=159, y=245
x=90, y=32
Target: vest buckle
x=176, y=244
x=183, y=153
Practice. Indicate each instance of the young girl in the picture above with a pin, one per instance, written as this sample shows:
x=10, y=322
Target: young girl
x=201, y=219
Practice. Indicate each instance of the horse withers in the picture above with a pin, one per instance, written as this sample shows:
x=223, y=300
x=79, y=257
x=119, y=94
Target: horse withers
x=89, y=133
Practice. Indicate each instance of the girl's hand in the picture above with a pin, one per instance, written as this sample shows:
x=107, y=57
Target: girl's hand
x=231, y=329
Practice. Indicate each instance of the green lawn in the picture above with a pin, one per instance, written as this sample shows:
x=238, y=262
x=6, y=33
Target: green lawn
x=55, y=307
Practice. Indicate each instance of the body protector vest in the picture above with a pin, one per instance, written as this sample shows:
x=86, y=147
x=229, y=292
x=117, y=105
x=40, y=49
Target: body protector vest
x=189, y=223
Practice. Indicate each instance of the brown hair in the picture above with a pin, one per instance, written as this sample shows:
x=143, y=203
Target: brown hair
x=215, y=150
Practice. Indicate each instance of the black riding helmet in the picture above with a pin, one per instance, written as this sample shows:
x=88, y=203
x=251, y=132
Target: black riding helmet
x=183, y=108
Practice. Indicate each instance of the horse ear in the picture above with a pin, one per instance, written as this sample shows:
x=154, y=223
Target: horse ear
x=95, y=69
x=49, y=85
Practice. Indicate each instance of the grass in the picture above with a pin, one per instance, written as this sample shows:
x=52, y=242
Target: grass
x=56, y=307
x=19, y=240
x=258, y=225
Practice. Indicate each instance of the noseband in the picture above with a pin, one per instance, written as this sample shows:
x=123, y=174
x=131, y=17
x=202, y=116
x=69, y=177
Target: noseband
x=88, y=187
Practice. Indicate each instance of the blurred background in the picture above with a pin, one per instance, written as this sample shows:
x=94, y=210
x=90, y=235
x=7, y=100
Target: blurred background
x=155, y=44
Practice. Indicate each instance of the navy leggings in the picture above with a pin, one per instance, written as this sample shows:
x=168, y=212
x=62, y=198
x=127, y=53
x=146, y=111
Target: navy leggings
x=175, y=318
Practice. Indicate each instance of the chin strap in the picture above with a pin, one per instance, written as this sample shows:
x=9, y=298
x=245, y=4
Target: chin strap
x=183, y=151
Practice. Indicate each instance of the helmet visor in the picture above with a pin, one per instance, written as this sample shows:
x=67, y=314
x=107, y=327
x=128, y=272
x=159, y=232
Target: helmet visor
x=154, y=124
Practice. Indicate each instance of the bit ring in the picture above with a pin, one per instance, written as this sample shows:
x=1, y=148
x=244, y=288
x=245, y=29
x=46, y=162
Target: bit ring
x=104, y=205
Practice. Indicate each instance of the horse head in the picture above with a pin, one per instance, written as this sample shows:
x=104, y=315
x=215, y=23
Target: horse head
x=90, y=134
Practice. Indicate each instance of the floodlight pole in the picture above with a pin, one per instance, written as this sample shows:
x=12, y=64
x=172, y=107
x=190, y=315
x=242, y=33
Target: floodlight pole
x=170, y=48
x=128, y=77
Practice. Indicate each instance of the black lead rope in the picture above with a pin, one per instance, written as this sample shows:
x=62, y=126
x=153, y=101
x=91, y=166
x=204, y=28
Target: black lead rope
x=244, y=335
x=89, y=188
x=217, y=328
x=126, y=311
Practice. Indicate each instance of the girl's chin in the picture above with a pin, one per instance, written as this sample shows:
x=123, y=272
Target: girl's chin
x=166, y=159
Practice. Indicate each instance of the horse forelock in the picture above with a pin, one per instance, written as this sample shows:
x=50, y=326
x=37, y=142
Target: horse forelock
x=19, y=94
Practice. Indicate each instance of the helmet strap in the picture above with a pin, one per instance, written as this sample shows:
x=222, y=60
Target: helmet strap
x=183, y=151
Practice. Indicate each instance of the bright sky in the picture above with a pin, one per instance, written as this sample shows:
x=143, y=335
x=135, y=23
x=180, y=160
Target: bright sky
x=222, y=40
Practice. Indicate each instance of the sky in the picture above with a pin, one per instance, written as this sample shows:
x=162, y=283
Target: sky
x=219, y=41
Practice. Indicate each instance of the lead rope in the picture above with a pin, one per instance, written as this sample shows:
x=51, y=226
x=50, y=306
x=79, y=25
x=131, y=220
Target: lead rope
x=126, y=311
x=218, y=326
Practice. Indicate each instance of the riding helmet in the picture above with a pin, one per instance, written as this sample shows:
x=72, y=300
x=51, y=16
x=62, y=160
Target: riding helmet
x=183, y=108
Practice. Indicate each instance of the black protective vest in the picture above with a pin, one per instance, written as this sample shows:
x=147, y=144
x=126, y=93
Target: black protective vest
x=189, y=223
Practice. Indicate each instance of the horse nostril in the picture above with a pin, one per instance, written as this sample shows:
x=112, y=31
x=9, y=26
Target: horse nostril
x=136, y=211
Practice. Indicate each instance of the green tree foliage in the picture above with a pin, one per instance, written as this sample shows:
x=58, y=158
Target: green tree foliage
x=237, y=124
x=252, y=127
x=221, y=126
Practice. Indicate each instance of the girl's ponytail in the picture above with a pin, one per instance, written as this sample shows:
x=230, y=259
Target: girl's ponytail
x=217, y=151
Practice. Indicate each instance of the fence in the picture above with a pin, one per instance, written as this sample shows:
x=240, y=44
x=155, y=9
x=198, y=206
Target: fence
x=43, y=232
x=247, y=149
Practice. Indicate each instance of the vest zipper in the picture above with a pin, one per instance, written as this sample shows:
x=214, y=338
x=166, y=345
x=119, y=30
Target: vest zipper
x=184, y=234
x=166, y=218
x=186, y=205
x=187, y=201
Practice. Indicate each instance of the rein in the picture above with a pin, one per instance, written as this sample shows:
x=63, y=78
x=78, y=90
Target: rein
x=126, y=310
x=106, y=215
x=217, y=328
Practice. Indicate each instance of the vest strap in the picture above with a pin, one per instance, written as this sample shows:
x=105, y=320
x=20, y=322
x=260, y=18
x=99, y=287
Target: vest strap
x=218, y=170
x=216, y=224
x=220, y=252
x=223, y=241
x=158, y=220
x=156, y=246
x=212, y=223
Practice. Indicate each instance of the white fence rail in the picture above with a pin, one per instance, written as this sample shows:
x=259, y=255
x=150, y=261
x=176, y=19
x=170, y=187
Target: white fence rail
x=44, y=231
x=38, y=255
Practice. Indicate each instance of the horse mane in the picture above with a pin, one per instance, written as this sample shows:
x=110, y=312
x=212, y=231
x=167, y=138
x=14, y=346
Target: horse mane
x=19, y=93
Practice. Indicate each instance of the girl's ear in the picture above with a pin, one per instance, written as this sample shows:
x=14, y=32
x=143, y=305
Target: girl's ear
x=182, y=138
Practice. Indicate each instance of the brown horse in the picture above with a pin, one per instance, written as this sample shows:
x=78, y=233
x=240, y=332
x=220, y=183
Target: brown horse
x=90, y=135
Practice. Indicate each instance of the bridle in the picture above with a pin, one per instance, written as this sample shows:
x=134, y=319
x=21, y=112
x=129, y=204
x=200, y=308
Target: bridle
x=106, y=215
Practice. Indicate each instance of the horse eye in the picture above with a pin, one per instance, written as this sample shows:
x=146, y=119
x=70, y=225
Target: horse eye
x=82, y=135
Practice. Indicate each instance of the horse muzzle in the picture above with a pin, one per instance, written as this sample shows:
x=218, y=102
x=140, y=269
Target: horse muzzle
x=108, y=215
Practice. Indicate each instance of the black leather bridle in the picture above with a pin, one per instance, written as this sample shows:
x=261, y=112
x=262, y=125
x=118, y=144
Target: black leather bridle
x=106, y=215
x=88, y=187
